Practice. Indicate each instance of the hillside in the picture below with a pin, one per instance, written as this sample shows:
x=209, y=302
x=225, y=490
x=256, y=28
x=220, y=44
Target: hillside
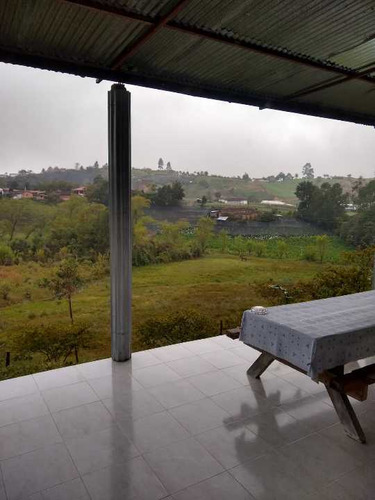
x=196, y=185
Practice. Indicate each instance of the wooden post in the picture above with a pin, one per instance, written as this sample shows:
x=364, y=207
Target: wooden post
x=260, y=365
x=346, y=414
x=119, y=168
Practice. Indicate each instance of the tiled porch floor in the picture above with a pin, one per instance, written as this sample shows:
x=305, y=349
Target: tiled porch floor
x=181, y=422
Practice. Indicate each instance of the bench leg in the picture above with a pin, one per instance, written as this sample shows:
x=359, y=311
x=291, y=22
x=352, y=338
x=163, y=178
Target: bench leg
x=346, y=414
x=260, y=365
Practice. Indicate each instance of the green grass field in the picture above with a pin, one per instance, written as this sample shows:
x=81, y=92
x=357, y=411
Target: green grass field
x=282, y=190
x=219, y=286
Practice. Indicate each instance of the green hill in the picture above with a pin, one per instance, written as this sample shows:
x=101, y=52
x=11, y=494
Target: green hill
x=196, y=185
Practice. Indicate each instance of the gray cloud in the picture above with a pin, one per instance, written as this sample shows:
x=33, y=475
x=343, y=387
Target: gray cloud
x=53, y=119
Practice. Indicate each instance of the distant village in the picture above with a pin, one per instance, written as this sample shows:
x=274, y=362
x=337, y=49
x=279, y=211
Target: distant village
x=34, y=194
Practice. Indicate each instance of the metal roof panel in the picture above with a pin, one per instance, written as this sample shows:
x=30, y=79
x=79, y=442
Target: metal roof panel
x=264, y=52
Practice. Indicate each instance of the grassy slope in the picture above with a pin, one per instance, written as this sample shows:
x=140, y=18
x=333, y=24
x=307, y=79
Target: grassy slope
x=220, y=286
x=284, y=191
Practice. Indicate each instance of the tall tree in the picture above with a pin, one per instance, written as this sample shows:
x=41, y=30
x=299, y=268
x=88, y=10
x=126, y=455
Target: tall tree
x=98, y=192
x=168, y=195
x=323, y=206
x=280, y=176
x=160, y=164
x=366, y=196
x=307, y=171
x=66, y=282
x=204, y=233
x=17, y=215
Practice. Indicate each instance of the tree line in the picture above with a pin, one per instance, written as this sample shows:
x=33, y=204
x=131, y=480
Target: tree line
x=325, y=207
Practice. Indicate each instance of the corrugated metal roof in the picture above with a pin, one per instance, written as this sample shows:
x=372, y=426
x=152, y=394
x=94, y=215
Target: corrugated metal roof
x=274, y=53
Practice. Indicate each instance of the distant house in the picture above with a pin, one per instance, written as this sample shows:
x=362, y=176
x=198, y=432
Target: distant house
x=79, y=191
x=233, y=201
x=144, y=187
x=27, y=194
x=34, y=195
x=5, y=192
x=276, y=203
x=64, y=197
x=39, y=195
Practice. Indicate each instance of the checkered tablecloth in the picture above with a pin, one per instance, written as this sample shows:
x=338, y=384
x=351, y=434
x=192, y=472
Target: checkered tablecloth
x=316, y=335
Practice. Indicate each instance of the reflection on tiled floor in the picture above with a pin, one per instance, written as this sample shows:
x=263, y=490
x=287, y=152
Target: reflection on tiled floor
x=181, y=422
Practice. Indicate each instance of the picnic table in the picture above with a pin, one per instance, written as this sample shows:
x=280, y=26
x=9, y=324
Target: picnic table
x=319, y=338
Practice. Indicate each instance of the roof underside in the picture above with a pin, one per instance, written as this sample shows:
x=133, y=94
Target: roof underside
x=308, y=56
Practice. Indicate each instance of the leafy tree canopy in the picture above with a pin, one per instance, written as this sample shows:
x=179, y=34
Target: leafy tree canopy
x=169, y=195
x=323, y=206
x=308, y=171
x=366, y=196
x=98, y=192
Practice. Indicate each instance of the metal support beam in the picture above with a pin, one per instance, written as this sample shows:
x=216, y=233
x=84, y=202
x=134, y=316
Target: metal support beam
x=192, y=88
x=119, y=153
x=150, y=32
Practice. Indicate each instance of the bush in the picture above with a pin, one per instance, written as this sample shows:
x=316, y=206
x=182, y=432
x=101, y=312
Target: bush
x=54, y=341
x=310, y=254
x=339, y=280
x=276, y=294
x=322, y=243
x=174, y=328
x=100, y=268
x=4, y=291
x=281, y=249
x=21, y=248
x=259, y=248
x=6, y=256
x=266, y=217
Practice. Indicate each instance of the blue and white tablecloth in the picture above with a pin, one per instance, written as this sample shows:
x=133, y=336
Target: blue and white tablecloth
x=315, y=335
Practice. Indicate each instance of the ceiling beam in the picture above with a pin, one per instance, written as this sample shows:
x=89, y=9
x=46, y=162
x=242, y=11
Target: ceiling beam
x=110, y=9
x=330, y=83
x=150, y=32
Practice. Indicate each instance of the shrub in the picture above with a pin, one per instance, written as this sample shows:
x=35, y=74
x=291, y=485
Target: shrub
x=4, y=291
x=340, y=280
x=322, y=244
x=240, y=246
x=281, y=249
x=276, y=294
x=100, y=268
x=21, y=248
x=6, y=256
x=310, y=253
x=266, y=217
x=223, y=240
x=174, y=328
x=54, y=341
x=259, y=248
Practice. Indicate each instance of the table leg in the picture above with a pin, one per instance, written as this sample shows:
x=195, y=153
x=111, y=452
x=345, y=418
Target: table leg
x=346, y=414
x=260, y=365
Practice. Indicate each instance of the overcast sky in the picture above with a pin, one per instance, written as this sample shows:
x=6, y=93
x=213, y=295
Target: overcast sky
x=53, y=119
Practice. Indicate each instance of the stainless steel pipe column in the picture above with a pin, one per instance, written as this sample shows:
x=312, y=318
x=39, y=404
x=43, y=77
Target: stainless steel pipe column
x=119, y=168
